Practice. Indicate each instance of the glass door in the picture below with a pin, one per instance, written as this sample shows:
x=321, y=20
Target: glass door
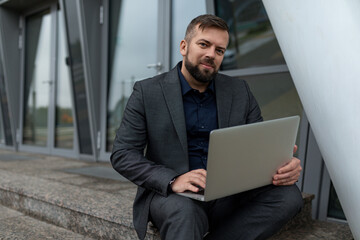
x=64, y=117
x=133, y=54
x=38, y=82
x=47, y=122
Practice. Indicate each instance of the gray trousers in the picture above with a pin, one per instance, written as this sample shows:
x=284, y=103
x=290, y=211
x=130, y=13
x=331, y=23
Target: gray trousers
x=255, y=214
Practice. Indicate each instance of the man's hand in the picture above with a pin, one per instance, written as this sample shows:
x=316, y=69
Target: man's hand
x=288, y=174
x=190, y=181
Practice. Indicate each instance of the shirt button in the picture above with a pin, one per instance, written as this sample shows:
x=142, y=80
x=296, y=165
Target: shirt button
x=202, y=127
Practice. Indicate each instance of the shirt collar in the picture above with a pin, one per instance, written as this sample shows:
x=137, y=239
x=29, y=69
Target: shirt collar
x=185, y=87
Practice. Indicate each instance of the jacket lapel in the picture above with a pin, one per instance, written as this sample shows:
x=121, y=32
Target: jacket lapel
x=172, y=92
x=223, y=101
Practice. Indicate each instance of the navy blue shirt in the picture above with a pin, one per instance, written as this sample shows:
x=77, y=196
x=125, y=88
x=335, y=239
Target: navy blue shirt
x=201, y=119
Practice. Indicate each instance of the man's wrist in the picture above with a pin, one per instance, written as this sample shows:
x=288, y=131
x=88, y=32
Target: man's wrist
x=169, y=185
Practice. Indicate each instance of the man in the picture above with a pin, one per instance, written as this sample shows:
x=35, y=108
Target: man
x=169, y=117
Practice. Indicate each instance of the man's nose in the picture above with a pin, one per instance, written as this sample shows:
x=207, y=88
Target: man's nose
x=210, y=53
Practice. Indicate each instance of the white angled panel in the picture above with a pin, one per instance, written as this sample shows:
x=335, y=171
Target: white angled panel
x=321, y=44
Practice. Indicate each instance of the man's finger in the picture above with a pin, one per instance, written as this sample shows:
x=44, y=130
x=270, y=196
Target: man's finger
x=295, y=149
x=190, y=181
x=192, y=188
x=198, y=181
x=290, y=166
x=286, y=179
x=200, y=171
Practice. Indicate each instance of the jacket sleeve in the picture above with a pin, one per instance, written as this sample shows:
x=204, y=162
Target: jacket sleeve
x=254, y=112
x=127, y=156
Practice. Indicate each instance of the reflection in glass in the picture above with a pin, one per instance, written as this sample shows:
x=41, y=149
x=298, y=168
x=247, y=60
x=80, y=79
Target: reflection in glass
x=64, y=126
x=276, y=95
x=5, y=127
x=252, y=40
x=37, y=78
x=78, y=77
x=181, y=16
x=132, y=46
x=2, y=139
x=334, y=208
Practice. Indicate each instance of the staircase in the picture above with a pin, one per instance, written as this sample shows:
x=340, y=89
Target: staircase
x=92, y=200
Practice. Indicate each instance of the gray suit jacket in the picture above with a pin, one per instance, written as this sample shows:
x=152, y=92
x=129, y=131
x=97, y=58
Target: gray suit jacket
x=154, y=118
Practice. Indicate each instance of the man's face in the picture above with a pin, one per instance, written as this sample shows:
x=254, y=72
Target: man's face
x=204, y=52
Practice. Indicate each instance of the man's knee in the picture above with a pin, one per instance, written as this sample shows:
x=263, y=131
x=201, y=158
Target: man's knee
x=293, y=199
x=291, y=202
x=285, y=202
x=182, y=208
x=178, y=216
x=179, y=208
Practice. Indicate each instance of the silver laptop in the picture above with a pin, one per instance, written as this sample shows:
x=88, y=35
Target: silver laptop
x=246, y=157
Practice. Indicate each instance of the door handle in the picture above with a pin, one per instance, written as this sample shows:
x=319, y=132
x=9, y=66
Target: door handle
x=50, y=82
x=158, y=66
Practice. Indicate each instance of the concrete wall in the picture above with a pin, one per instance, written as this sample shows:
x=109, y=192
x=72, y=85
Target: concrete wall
x=321, y=44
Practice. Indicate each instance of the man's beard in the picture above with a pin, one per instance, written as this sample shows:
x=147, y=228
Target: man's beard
x=201, y=76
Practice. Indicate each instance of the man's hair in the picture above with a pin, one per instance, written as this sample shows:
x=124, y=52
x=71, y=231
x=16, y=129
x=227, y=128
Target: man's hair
x=205, y=21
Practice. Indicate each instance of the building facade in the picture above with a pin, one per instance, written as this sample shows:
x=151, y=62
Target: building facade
x=67, y=68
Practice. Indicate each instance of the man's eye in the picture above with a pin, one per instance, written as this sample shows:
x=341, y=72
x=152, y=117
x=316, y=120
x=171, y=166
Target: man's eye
x=220, y=51
x=202, y=44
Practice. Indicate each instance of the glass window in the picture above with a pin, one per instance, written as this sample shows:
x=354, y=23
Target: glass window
x=181, y=15
x=64, y=126
x=5, y=127
x=252, y=40
x=37, y=78
x=132, y=46
x=276, y=95
x=334, y=208
x=78, y=77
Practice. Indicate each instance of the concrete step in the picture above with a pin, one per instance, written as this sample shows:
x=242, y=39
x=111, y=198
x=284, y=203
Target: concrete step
x=85, y=211
x=16, y=225
x=65, y=193
x=316, y=230
x=92, y=213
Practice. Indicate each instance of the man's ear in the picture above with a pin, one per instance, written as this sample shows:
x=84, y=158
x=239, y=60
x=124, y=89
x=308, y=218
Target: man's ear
x=183, y=47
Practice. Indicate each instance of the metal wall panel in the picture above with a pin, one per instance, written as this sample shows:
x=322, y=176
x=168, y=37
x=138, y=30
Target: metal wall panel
x=10, y=43
x=92, y=9
x=4, y=107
